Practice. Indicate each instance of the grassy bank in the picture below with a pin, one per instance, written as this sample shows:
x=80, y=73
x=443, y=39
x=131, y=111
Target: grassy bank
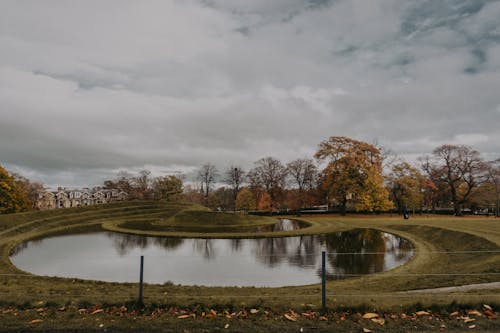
x=443, y=245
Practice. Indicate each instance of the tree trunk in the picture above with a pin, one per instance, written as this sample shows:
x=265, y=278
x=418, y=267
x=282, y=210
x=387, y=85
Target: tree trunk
x=343, y=207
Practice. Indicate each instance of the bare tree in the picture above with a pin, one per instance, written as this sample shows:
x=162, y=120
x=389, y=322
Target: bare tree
x=459, y=167
x=304, y=174
x=235, y=176
x=271, y=174
x=207, y=175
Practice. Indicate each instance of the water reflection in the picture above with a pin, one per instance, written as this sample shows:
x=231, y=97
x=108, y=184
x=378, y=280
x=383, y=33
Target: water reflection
x=223, y=262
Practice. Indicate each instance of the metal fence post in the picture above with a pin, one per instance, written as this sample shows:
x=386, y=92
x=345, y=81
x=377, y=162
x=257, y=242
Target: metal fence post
x=141, y=280
x=323, y=281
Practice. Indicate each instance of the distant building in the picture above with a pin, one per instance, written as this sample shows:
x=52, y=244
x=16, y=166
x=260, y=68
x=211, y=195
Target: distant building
x=65, y=198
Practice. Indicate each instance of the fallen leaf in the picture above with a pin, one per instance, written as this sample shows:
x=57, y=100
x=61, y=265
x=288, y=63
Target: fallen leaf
x=472, y=326
x=97, y=311
x=454, y=314
x=212, y=311
x=366, y=330
x=379, y=321
x=254, y=311
x=183, y=316
x=62, y=308
x=489, y=314
x=422, y=313
x=226, y=326
x=370, y=315
x=323, y=318
x=36, y=321
x=289, y=317
x=40, y=310
x=487, y=307
x=469, y=320
x=474, y=313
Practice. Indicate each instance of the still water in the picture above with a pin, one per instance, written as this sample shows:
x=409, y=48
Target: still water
x=270, y=262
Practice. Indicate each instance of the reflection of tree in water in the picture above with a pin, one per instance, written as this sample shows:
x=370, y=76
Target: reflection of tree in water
x=123, y=243
x=271, y=251
x=236, y=244
x=20, y=248
x=297, y=251
x=401, y=249
x=355, y=243
x=304, y=252
x=205, y=247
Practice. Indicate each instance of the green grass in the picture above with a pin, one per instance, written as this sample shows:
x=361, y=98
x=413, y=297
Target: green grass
x=432, y=237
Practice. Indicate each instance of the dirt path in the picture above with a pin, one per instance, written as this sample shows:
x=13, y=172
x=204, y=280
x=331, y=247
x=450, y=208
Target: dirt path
x=468, y=287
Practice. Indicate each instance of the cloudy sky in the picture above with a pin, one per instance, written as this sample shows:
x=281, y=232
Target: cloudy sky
x=88, y=88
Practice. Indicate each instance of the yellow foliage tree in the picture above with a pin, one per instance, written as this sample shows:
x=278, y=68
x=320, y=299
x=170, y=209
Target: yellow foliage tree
x=13, y=198
x=245, y=200
x=354, y=170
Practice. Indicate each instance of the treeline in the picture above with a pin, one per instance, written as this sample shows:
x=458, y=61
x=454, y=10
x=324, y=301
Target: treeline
x=17, y=193
x=343, y=175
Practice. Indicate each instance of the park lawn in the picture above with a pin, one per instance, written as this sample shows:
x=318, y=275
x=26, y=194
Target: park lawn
x=433, y=237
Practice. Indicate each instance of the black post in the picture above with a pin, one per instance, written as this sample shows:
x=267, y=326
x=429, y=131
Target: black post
x=323, y=281
x=141, y=280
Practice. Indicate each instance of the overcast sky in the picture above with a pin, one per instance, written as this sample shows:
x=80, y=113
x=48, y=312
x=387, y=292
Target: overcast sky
x=88, y=88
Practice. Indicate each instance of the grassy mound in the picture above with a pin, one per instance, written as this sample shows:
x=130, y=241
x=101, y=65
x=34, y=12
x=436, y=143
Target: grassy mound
x=177, y=219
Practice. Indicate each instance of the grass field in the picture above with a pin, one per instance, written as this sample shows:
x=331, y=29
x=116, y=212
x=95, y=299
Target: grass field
x=449, y=252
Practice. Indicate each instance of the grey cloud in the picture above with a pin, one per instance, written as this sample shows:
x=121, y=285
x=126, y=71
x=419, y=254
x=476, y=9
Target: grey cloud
x=85, y=93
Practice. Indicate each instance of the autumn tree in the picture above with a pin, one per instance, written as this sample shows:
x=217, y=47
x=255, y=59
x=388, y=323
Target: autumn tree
x=167, y=188
x=460, y=168
x=234, y=177
x=353, y=172
x=13, y=196
x=245, y=200
x=206, y=176
x=405, y=185
x=269, y=174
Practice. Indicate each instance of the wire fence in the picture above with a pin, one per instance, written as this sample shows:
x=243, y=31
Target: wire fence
x=323, y=294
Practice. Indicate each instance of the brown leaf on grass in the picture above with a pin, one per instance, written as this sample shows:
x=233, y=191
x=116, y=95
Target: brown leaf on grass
x=468, y=320
x=489, y=314
x=323, y=318
x=487, y=307
x=212, y=311
x=62, y=308
x=366, y=330
x=422, y=313
x=454, y=314
x=123, y=308
x=379, y=321
x=40, y=310
x=472, y=326
x=474, y=313
x=36, y=321
x=290, y=317
x=226, y=326
x=370, y=315
x=308, y=314
x=183, y=316
x=254, y=311
x=83, y=310
x=97, y=311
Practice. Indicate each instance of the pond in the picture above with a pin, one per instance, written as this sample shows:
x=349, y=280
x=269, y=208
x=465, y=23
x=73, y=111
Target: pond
x=270, y=262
